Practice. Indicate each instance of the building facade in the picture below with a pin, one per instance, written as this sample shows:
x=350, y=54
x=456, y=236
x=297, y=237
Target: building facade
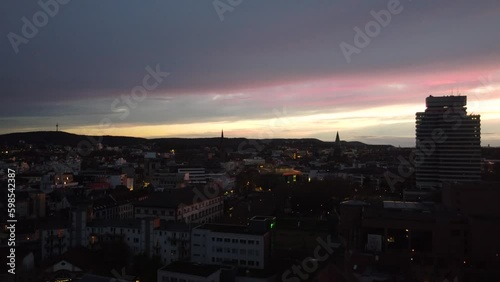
x=183, y=205
x=171, y=241
x=236, y=245
x=448, y=143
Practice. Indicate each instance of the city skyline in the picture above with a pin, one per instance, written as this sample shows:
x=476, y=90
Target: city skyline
x=256, y=71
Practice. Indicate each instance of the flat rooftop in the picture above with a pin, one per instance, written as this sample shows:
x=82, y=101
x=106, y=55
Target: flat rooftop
x=441, y=101
x=123, y=223
x=174, y=226
x=173, y=198
x=263, y=218
x=403, y=205
x=354, y=203
x=230, y=228
x=303, y=224
x=201, y=270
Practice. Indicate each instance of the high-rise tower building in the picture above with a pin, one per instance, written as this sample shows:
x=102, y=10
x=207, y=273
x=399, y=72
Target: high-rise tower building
x=448, y=143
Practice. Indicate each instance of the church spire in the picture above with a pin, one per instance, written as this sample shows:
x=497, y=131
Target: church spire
x=337, y=147
x=222, y=151
x=337, y=140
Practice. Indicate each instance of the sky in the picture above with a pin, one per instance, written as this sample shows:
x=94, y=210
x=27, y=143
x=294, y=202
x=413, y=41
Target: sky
x=257, y=69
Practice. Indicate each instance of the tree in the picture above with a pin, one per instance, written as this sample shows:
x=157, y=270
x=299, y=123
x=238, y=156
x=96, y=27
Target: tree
x=146, y=267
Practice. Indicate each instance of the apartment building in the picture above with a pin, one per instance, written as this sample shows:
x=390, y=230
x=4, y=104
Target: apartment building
x=190, y=205
x=171, y=241
x=246, y=246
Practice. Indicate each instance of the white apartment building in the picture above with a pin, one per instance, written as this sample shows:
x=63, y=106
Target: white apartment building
x=172, y=241
x=246, y=246
x=169, y=240
x=196, y=175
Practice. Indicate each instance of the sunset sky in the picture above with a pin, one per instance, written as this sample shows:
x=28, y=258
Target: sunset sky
x=267, y=69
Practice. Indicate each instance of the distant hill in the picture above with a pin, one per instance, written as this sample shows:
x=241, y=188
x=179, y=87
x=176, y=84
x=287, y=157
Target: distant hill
x=70, y=139
x=65, y=139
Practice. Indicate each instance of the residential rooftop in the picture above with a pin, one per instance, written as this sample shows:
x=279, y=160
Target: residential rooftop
x=174, y=226
x=404, y=205
x=201, y=270
x=172, y=198
x=230, y=228
x=126, y=223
